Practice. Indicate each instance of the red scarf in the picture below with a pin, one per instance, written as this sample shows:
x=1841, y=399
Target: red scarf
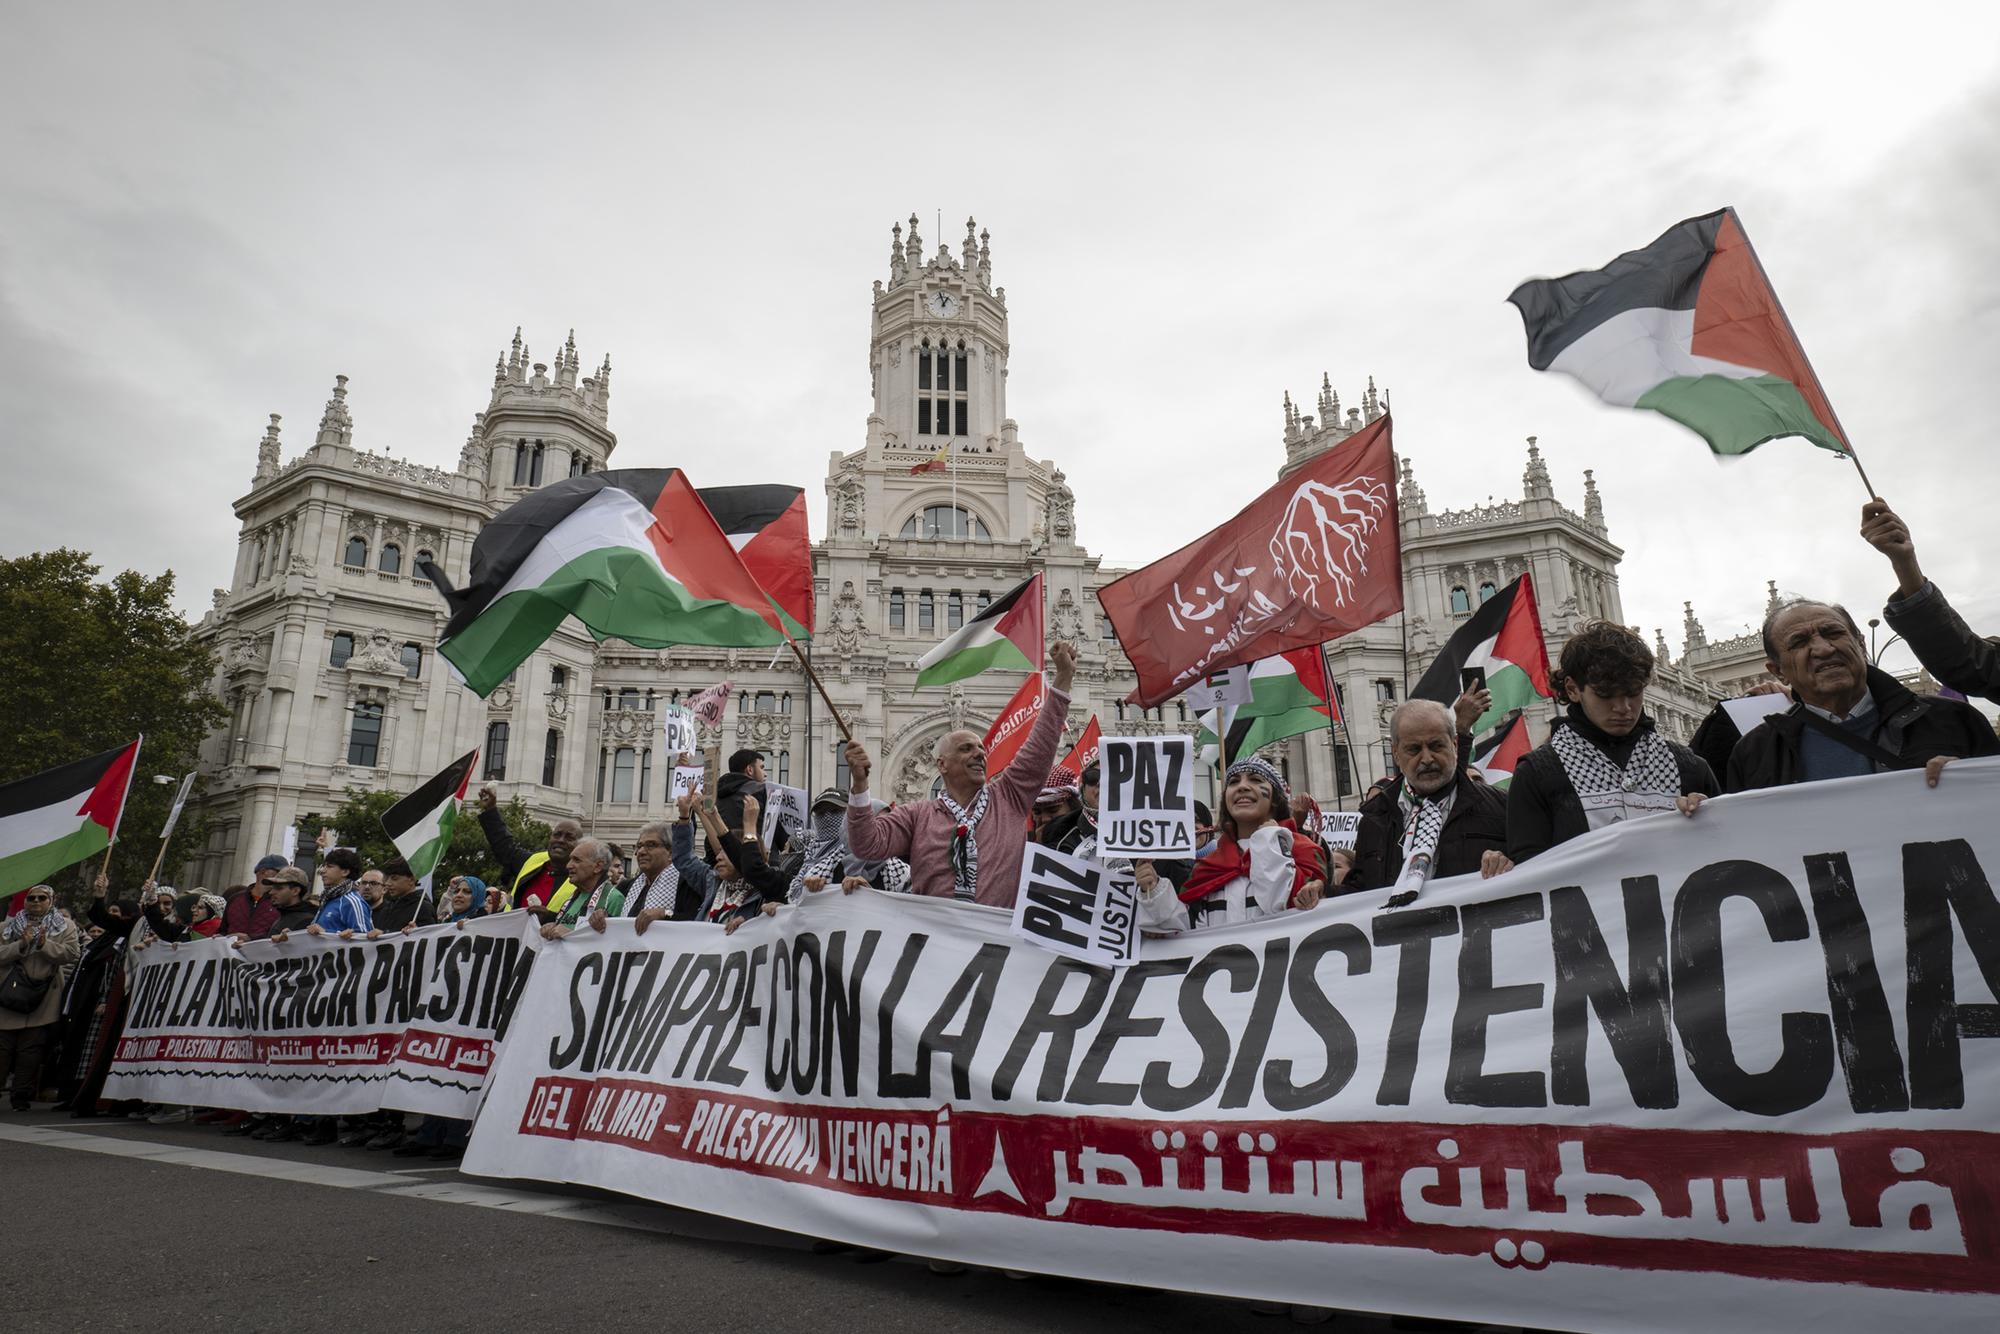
x=1231, y=859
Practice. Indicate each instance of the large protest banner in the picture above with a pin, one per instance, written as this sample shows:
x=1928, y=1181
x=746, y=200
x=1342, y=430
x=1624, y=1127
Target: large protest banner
x=323, y=1025
x=1727, y=1073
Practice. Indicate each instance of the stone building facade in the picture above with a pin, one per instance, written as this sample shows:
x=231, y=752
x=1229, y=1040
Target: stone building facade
x=326, y=637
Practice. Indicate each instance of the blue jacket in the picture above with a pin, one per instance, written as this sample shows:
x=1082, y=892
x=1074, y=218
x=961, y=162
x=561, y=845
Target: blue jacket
x=345, y=911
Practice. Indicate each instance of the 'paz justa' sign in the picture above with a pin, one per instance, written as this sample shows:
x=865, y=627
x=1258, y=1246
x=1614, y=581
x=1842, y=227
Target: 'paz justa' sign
x=1147, y=797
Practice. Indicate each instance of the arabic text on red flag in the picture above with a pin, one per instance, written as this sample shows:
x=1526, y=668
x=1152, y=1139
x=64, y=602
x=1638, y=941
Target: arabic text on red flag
x=1315, y=557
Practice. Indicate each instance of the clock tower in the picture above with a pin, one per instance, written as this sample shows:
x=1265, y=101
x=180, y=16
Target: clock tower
x=938, y=346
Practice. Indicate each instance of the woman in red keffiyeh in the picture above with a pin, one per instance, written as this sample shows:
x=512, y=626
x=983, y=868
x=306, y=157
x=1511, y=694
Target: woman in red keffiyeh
x=1261, y=865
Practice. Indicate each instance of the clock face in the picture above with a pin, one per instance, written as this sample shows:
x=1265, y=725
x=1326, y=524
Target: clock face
x=941, y=304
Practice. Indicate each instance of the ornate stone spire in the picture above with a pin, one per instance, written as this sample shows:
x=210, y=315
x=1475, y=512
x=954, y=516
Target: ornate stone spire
x=335, y=426
x=898, y=265
x=970, y=250
x=604, y=378
x=913, y=249
x=1291, y=417
x=1593, y=504
x=985, y=273
x=472, y=455
x=1771, y=602
x=517, y=356
x=1692, y=635
x=1329, y=402
x=268, y=453
x=1371, y=403
x=1535, y=478
x=566, y=363
x=1660, y=648
x=1410, y=503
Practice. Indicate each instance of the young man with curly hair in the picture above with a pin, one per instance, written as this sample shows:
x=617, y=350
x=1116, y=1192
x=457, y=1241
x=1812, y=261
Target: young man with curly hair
x=1605, y=761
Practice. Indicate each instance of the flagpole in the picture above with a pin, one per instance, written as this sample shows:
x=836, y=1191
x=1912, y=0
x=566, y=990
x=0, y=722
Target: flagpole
x=831, y=708
x=1852, y=456
x=1332, y=726
x=105, y=869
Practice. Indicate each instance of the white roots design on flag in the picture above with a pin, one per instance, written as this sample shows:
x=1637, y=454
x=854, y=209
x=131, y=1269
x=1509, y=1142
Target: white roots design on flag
x=1324, y=538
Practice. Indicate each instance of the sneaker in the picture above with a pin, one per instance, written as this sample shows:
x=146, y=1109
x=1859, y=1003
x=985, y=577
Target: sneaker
x=171, y=1117
x=355, y=1139
x=323, y=1133
x=388, y=1139
x=247, y=1127
x=298, y=1129
x=269, y=1131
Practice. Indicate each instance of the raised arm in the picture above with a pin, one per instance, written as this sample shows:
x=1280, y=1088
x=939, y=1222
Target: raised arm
x=871, y=834
x=1023, y=778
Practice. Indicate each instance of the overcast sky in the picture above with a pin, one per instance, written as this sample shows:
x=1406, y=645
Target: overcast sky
x=210, y=210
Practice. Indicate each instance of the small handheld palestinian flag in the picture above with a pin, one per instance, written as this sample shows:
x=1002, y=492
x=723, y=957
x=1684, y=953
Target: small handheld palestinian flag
x=632, y=553
x=60, y=816
x=1504, y=638
x=420, y=824
x=1496, y=757
x=1688, y=327
x=1008, y=633
x=1289, y=696
x=766, y=523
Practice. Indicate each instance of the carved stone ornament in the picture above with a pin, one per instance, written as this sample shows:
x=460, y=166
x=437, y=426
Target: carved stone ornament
x=241, y=654
x=1066, y=621
x=1061, y=508
x=379, y=654
x=627, y=724
x=919, y=775
x=847, y=502
x=501, y=700
x=958, y=707
x=844, y=622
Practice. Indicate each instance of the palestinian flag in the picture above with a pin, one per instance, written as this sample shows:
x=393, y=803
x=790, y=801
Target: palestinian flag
x=632, y=553
x=420, y=824
x=1289, y=695
x=1504, y=636
x=1007, y=634
x=61, y=816
x=1496, y=756
x=1011, y=729
x=1688, y=327
x=935, y=463
x=766, y=523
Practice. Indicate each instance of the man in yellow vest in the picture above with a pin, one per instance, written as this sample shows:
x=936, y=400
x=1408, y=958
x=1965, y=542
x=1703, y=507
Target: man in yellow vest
x=538, y=881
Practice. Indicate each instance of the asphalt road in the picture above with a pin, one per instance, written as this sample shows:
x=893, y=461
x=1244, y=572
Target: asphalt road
x=128, y=1226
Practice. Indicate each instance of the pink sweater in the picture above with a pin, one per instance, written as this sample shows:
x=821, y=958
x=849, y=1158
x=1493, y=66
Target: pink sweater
x=920, y=832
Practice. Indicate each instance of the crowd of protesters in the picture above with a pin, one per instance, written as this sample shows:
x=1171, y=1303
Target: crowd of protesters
x=1265, y=851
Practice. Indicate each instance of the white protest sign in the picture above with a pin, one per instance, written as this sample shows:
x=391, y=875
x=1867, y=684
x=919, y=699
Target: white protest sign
x=687, y=778
x=1752, y=710
x=1146, y=797
x=707, y=706
x=290, y=849
x=1077, y=907
x=1221, y=690
x=180, y=800
x=683, y=731
x=1337, y=828
x=783, y=805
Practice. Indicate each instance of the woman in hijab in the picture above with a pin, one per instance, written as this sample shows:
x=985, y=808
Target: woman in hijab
x=1261, y=865
x=465, y=899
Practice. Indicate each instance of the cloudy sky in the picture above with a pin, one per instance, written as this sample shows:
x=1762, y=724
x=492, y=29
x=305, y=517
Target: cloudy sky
x=210, y=210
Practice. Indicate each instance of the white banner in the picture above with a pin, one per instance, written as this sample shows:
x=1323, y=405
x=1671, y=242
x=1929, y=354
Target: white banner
x=1078, y=907
x=1730, y=1073
x=322, y=1025
x=1147, y=797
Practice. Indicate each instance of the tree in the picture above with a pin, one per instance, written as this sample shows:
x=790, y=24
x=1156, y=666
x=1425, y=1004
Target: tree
x=359, y=821
x=91, y=666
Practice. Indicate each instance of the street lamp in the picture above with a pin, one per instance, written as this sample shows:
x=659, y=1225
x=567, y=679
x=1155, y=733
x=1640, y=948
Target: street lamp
x=1875, y=654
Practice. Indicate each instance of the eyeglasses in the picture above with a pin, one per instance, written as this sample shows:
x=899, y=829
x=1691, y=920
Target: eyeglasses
x=650, y=843
x=40, y=898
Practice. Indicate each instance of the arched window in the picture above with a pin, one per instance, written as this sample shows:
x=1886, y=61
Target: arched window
x=521, y=459
x=1487, y=590
x=985, y=599
x=942, y=384
x=645, y=775
x=895, y=609
x=743, y=704
x=945, y=521
x=628, y=697
x=423, y=562
x=1105, y=629
x=1460, y=603
x=535, y=466
x=1120, y=706
x=954, y=610
x=785, y=702
x=926, y=611
x=496, y=751
x=257, y=568
x=357, y=553
x=767, y=701
x=624, y=763
x=391, y=559
x=785, y=767
x=413, y=661
x=558, y=677
x=551, y=751
x=841, y=776
x=342, y=650
x=364, y=741
x=579, y=463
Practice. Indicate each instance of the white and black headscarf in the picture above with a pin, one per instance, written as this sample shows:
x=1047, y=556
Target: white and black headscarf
x=965, y=842
x=1423, y=820
x=1648, y=781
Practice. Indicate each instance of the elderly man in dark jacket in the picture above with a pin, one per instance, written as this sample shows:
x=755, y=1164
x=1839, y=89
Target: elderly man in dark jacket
x=1847, y=718
x=1432, y=810
x=1943, y=642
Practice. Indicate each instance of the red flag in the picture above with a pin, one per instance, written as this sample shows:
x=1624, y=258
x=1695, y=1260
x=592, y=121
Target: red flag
x=1084, y=753
x=1315, y=557
x=1010, y=730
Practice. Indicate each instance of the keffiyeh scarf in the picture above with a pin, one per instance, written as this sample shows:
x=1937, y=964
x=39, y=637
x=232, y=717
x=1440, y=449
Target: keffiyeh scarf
x=56, y=920
x=1423, y=821
x=662, y=891
x=1650, y=780
x=826, y=851
x=965, y=843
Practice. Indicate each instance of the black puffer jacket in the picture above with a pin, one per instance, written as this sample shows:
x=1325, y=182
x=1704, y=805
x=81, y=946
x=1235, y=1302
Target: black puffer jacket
x=1914, y=730
x=1542, y=805
x=1477, y=824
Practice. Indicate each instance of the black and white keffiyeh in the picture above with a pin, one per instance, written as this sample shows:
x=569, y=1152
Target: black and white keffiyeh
x=1649, y=781
x=1423, y=821
x=661, y=891
x=965, y=843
